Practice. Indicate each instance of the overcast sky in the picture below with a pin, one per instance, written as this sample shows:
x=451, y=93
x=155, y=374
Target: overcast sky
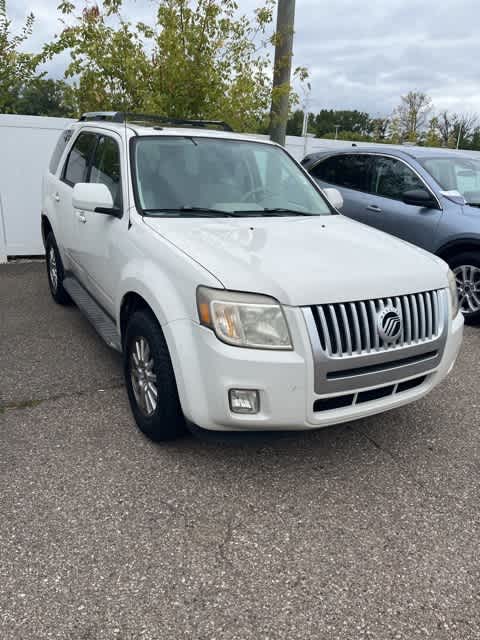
x=361, y=54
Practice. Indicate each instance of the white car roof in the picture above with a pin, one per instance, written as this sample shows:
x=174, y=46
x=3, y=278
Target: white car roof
x=161, y=130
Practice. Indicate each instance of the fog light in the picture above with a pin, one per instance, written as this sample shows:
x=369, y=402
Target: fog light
x=244, y=400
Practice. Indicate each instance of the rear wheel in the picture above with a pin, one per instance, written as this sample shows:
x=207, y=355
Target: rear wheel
x=466, y=267
x=150, y=379
x=55, y=271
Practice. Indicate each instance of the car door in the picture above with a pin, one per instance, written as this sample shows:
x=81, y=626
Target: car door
x=390, y=179
x=97, y=241
x=75, y=169
x=350, y=174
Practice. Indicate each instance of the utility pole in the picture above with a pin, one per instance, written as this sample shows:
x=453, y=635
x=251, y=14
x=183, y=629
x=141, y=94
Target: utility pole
x=282, y=70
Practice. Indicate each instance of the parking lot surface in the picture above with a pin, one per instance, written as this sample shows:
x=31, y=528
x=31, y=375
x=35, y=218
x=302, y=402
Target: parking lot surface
x=368, y=530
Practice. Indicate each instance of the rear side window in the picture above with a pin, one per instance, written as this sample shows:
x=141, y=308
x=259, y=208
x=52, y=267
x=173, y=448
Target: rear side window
x=78, y=161
x=60, y=147
x=392, y=177
x=349, y=171
x=106, y=168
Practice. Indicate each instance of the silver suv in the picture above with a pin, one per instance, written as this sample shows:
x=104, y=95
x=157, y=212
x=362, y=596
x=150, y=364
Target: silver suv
x=430, y=197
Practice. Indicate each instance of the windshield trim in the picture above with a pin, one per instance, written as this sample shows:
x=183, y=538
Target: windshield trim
x=134, y=140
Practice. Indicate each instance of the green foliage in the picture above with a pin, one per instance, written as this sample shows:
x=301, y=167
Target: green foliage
x=16, y=67
x=327, y=120
x=45, y=97
x=295, y=123
x=199, y=60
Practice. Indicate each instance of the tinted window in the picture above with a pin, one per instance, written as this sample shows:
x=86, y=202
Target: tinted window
x=78, y=161
x=62, y=142
x=391, y=178
x=106, y=167
x=350, y=171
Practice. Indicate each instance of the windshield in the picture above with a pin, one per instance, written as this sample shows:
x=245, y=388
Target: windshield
x=456, y=174
x=198, y=176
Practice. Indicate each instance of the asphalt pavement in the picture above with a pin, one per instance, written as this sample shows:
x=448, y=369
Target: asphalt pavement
x=367, y=530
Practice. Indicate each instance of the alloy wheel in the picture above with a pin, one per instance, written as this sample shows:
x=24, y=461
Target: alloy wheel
x=52, y=268
x=468, y=284
x=143, y=378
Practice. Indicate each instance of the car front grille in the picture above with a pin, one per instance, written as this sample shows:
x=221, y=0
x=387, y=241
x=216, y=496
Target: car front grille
x=351, y=328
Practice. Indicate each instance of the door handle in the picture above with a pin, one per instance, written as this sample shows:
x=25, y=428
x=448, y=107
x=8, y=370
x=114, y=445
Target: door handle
x=56, y=197
x=81, y=217
x=374, y=208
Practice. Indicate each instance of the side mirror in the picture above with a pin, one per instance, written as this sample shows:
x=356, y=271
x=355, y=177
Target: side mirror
x=93, y=196
x=334, y=197
x=419, y=198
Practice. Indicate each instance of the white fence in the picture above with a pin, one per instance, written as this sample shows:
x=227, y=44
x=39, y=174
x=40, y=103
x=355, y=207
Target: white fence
x=26, y=144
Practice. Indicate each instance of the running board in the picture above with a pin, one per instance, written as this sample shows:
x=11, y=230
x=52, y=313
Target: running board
x=101, y=322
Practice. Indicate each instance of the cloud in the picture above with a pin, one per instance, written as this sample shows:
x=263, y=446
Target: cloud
x=361, y=55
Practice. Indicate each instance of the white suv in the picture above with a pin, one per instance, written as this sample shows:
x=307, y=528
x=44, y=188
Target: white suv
x=238, y=295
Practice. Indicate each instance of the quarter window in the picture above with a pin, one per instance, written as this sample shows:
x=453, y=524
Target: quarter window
x=106, y=167
x=347, y=170
x=392, y=177
x=78, y=161
x=60, y=147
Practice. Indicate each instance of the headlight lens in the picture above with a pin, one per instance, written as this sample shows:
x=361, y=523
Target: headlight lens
x=244, y=320
x=452, y=284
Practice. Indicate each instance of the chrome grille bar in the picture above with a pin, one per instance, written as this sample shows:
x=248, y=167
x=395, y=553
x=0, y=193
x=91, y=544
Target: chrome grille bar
x=351, y=328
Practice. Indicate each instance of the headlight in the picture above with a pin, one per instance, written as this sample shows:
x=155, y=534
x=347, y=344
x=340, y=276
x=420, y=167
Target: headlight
x=452, y=284
x=243, y=319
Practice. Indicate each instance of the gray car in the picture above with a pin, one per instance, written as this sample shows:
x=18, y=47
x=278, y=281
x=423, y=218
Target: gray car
x=429, y=197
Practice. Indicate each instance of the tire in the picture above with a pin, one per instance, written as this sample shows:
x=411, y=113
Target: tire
x=148, y=371
x=55, y=272
x=466, y=267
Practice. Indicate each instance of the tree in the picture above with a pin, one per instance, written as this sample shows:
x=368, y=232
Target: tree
x=295, y=123
x=327, y=120
x=445, y=128
x=198, y=61
x=44, y=97
x=412, y=115
x=16, y=67
x=379, y=129
x=463, y=129
x=433, y=137
x=456, y=128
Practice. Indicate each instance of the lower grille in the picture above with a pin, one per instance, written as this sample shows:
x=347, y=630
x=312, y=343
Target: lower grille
x=351, y=328
x=353, y=399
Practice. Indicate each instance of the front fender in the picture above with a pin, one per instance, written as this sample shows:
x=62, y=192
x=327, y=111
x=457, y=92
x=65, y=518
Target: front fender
x=171, y=297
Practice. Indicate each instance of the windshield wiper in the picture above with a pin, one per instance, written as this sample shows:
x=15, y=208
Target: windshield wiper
x=267, y=211
x=205, y=211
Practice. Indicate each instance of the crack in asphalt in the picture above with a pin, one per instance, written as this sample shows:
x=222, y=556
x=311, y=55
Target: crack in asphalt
x=35, y=402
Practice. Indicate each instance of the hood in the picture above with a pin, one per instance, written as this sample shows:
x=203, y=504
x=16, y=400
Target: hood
x=304, y=261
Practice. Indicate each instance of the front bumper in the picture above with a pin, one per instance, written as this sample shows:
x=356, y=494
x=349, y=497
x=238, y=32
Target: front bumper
x=206, y=369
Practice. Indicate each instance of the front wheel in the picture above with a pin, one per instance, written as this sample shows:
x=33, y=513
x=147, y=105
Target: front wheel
x=150, y=379
x=466, y=267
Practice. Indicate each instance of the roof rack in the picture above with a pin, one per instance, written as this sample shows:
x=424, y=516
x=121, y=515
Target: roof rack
x=138, y=118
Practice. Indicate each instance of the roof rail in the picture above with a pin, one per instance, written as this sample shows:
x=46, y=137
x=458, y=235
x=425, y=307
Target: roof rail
x=152, y=119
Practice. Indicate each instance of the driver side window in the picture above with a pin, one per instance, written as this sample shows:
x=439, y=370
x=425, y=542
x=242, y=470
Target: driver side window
x=392, y=177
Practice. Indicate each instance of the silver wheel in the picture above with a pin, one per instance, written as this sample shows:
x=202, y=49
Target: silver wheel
x=144, y=380
x=468, y=284
x=52, y=268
